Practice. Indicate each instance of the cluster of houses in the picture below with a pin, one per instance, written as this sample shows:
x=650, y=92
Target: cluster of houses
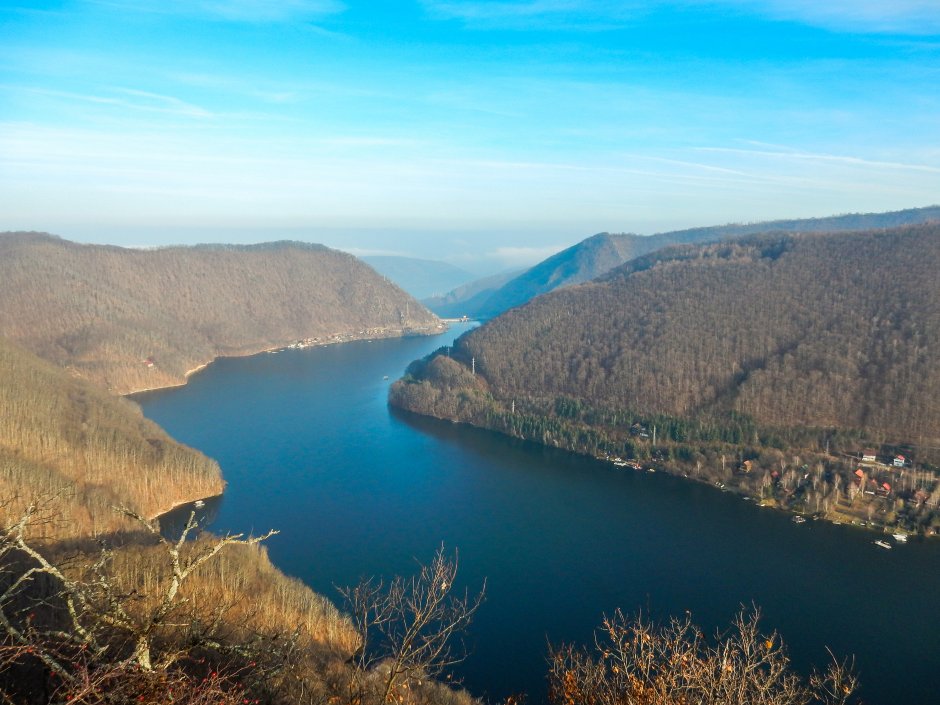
x=896, y=461
x=870, y=475
x=871, y=485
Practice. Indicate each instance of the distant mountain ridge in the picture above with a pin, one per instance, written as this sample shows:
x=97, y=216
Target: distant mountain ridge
x=421, y=278
x=138, y=319
x=580, y=263
x=467, y=298
x=602, y=252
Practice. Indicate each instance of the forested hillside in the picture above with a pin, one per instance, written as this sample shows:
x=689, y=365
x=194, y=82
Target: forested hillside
x=97, y=607
x=785, y=342
x=82, y=451
x=138, y=319
x=601, y=253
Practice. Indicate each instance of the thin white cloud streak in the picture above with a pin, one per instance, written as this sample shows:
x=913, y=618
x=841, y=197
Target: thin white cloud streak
x=260, y=11
x=268, y=10
x=594, y=15
x=915, y=17
x=822, y=157
x=698, y=165
x=137, y=100
x=716, y=176
x=201, y=179
x=268, y=90
x=476, y=10
x=159, y=152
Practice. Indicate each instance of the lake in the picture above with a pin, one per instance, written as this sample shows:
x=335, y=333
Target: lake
x=309, y=446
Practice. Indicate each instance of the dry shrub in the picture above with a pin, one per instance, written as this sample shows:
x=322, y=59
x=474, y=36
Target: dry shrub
x=636, y=662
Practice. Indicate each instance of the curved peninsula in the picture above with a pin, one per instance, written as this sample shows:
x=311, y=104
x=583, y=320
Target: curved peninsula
x=799, y=370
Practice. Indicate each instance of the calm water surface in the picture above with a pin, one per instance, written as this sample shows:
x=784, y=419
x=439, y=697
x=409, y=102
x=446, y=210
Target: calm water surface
x=309, y=446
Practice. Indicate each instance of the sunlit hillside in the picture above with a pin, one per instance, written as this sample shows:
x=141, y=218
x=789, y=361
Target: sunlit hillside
x=80, y=452
x=138, y=319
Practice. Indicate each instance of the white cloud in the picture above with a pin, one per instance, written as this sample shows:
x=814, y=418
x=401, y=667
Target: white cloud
x=193, y=177
x=916, y=17
x=880, y=16
x=822, y=157
x=234, y=10
x=130, y=98
x=536, y=14
x=457, y=9
x=270, y=10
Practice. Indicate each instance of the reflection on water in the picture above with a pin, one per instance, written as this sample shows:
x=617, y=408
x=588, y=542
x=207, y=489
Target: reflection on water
x=205, y=512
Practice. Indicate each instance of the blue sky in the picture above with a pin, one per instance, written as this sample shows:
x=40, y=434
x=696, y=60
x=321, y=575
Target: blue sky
x=487, y=133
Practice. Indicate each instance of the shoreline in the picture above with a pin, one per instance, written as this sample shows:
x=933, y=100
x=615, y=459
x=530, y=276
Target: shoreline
x=182, y=503
x=835, y=519
x=612, y=463
x=332, y=339
x=438, y=330
x=198, y=368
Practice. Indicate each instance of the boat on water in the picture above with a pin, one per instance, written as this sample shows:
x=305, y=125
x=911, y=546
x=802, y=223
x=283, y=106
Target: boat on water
x=883, y=544
x=799, y=520
x=900, y=538
x=199, y=504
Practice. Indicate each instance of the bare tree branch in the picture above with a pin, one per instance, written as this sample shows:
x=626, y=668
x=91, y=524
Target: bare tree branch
x=409, y=627
x=638, y=663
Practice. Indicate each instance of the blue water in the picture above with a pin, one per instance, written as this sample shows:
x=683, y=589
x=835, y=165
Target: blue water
x=309, y=446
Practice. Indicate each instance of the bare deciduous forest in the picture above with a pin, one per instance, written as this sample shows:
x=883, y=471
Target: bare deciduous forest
x=84, y=450
x=141, y=319
x=96, y=606
x=203, y=619
x=791, y=352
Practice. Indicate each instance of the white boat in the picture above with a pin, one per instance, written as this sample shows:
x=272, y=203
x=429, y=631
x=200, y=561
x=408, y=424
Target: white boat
x=900, y=538
x=883, y=544
x=199, y=504
x=799, y=520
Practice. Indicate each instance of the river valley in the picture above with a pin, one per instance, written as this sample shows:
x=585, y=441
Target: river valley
x=309, y=446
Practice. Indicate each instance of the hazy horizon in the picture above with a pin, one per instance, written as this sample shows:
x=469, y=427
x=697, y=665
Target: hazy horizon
x=485, y=134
